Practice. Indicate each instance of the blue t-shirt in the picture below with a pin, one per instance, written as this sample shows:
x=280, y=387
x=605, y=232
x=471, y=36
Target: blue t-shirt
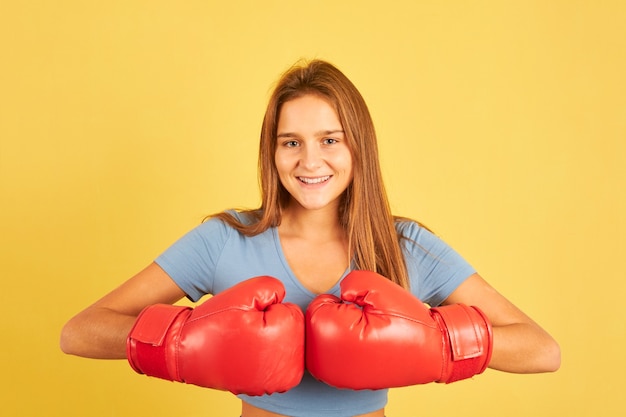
x=214, y=256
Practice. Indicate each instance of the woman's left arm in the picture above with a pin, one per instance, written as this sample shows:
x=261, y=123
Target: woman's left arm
x=520, y=345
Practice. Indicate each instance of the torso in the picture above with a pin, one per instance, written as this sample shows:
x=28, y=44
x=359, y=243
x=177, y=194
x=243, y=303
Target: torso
x=248, y=410
x=317, y=265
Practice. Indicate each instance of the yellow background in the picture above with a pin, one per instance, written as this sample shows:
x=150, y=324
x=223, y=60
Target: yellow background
x=502, y=125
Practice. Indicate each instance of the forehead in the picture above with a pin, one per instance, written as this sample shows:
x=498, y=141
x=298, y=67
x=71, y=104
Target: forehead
x=308, y=110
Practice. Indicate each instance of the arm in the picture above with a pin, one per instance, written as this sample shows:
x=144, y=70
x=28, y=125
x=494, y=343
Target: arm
x=519, y=344
x=196, y=345
x=100, y=331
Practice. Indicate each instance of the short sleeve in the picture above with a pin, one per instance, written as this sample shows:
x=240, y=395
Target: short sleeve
x=191, y=261
x=435, y=269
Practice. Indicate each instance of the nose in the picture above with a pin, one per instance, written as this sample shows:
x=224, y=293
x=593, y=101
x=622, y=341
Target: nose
x=311, y=157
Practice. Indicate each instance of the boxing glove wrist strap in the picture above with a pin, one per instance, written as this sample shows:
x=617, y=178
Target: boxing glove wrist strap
x=468, y=341
x=152, y=341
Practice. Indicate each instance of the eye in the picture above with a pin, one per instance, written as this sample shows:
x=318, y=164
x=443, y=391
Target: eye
x=330, y=141
x=291, y=143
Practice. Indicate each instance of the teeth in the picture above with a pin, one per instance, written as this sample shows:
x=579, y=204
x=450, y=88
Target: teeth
x=314, y=180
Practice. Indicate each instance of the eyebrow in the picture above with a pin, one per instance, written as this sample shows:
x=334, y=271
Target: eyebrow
x=320, y=133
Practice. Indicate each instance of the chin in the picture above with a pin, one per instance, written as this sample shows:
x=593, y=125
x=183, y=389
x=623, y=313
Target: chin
x=317, y=206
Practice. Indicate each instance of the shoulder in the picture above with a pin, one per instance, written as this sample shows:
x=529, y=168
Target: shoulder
x=214, y=230
x=245, y=217
x=229, y=220
x=237, y=219
x=412, y=230
x=418, y=241
x=435, y=268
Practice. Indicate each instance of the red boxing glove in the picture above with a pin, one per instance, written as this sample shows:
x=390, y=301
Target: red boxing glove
x=379, y=335
x=243, y=340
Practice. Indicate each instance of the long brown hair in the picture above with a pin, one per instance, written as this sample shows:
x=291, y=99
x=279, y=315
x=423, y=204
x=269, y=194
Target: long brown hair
x=364, y=211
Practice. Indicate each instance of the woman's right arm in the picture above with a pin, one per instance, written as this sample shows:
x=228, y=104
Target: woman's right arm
x=101, y=329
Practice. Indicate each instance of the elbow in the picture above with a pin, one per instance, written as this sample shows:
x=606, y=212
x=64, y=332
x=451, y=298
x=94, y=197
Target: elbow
x=552, y=357
x=546, y=357
x=67, y=339
x=534, y=352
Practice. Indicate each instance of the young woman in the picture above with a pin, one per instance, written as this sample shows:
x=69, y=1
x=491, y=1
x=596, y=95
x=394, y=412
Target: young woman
x=324, y=214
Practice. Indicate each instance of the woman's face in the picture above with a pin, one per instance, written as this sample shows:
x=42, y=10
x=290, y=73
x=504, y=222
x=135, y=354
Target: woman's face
x=312, y=156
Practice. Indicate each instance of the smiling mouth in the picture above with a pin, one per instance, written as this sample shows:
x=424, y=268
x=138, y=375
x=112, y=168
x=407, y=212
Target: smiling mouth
x=317, y=180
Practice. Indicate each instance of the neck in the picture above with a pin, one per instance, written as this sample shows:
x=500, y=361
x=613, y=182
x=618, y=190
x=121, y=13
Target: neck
x=322, y=224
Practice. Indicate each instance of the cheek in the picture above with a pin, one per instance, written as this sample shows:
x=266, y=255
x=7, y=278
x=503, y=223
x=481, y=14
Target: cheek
x=347, y=163
x=281, y=164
